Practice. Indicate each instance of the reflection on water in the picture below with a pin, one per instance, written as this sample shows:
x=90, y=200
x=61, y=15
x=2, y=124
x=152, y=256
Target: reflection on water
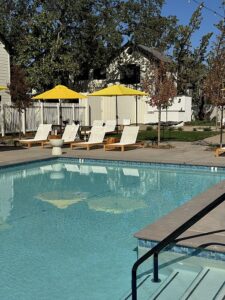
x=68, y=218
x=61, y=199
x=115, y=205
x=105, y=188
x=6, y=199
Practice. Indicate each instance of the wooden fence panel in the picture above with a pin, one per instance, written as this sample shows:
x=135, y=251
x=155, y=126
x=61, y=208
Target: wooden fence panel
x=11, y=119
x=32, y=117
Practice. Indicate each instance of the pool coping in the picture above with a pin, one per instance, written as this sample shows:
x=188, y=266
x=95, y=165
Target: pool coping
x=207, y=234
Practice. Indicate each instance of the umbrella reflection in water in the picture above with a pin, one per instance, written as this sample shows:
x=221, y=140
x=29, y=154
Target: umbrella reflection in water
x=61, y=199
x=115, y=204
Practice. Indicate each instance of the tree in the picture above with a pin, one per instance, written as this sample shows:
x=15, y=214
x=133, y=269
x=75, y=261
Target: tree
x=182, y=50
x=190, y=63
x=19, y=91
x=196, y=75
x=161, y=88
x=215, y=79
x=15, y=18
x=142, y=23
x=60, y=41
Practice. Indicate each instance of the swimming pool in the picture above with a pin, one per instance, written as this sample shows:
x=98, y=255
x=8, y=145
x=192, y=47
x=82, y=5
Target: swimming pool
x=66, y=226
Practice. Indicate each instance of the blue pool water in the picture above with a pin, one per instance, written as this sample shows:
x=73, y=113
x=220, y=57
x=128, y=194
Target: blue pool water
x=66, y=229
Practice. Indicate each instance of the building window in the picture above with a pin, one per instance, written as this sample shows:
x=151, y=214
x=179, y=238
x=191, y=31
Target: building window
x=99, y=74
x=130, y=74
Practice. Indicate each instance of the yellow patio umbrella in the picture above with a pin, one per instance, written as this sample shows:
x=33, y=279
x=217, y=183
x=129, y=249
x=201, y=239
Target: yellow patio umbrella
x=59, y=92
x=119, y=90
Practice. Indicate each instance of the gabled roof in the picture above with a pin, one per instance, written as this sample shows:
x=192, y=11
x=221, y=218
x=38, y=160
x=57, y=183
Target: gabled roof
x=5, y=42
x=154, y=52
x=147, y=52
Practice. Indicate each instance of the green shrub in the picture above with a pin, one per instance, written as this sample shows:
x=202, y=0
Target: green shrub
x=207, y=129
x=188, y=136
x=180, y=129
x=149, y=128
x=201, y=123
x=171, y=128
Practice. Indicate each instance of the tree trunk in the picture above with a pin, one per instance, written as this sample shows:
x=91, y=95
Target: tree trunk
x=159, y=124
x=216, y=118
x=221, y=128
x=20, y=124
x=201, y=113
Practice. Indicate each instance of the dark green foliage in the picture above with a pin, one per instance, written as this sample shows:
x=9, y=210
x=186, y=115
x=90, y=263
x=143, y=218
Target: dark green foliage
x=207, y=129
x=190, y=63
x=185, y=136
x=59, y=42
x=201, y=123
x=19, y=89
x=143, y=23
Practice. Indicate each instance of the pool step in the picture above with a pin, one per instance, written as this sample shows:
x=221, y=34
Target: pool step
x=146, y=286
x=209, y=284
x=174, y=286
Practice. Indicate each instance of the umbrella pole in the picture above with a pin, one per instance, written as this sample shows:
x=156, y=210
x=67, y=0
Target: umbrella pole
x=60, y=116
x=117, y=116
x=136, y=111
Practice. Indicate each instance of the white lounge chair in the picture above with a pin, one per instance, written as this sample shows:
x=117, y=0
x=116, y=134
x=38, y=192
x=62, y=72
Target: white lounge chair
x=69, y=134
x=96, y=124
x=110, y=126
x=96, y=138
x=41, y=135
x=128, y=138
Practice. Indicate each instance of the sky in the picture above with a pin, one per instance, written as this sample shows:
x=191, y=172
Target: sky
x=183, y=9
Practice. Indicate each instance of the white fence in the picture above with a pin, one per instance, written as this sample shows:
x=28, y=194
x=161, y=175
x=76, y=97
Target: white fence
x=40, y=113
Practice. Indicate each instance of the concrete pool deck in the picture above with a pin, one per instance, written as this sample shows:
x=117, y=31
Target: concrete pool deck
x=181, y=153
x=210, y=231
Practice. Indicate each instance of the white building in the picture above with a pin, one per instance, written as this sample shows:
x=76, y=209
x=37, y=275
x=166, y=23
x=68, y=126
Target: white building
x=130, y=68
x=179, y=111
x=4, y=69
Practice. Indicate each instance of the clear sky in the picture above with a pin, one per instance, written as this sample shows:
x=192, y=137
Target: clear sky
x=183, y=9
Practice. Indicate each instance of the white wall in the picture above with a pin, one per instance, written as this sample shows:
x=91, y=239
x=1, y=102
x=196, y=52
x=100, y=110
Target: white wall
x=4, y=72
x=180, y=110
x=95, y=109
x=104, y=108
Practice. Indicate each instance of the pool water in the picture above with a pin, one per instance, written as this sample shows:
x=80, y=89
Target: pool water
x=66, y=229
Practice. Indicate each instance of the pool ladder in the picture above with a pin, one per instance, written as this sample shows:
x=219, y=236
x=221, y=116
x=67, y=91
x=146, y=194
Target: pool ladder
x=168, y=240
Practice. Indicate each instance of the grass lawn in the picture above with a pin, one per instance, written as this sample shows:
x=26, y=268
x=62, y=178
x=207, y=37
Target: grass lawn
x=184, y=136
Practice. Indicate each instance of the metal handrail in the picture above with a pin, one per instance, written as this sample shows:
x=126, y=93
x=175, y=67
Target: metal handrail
x=168, y=240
